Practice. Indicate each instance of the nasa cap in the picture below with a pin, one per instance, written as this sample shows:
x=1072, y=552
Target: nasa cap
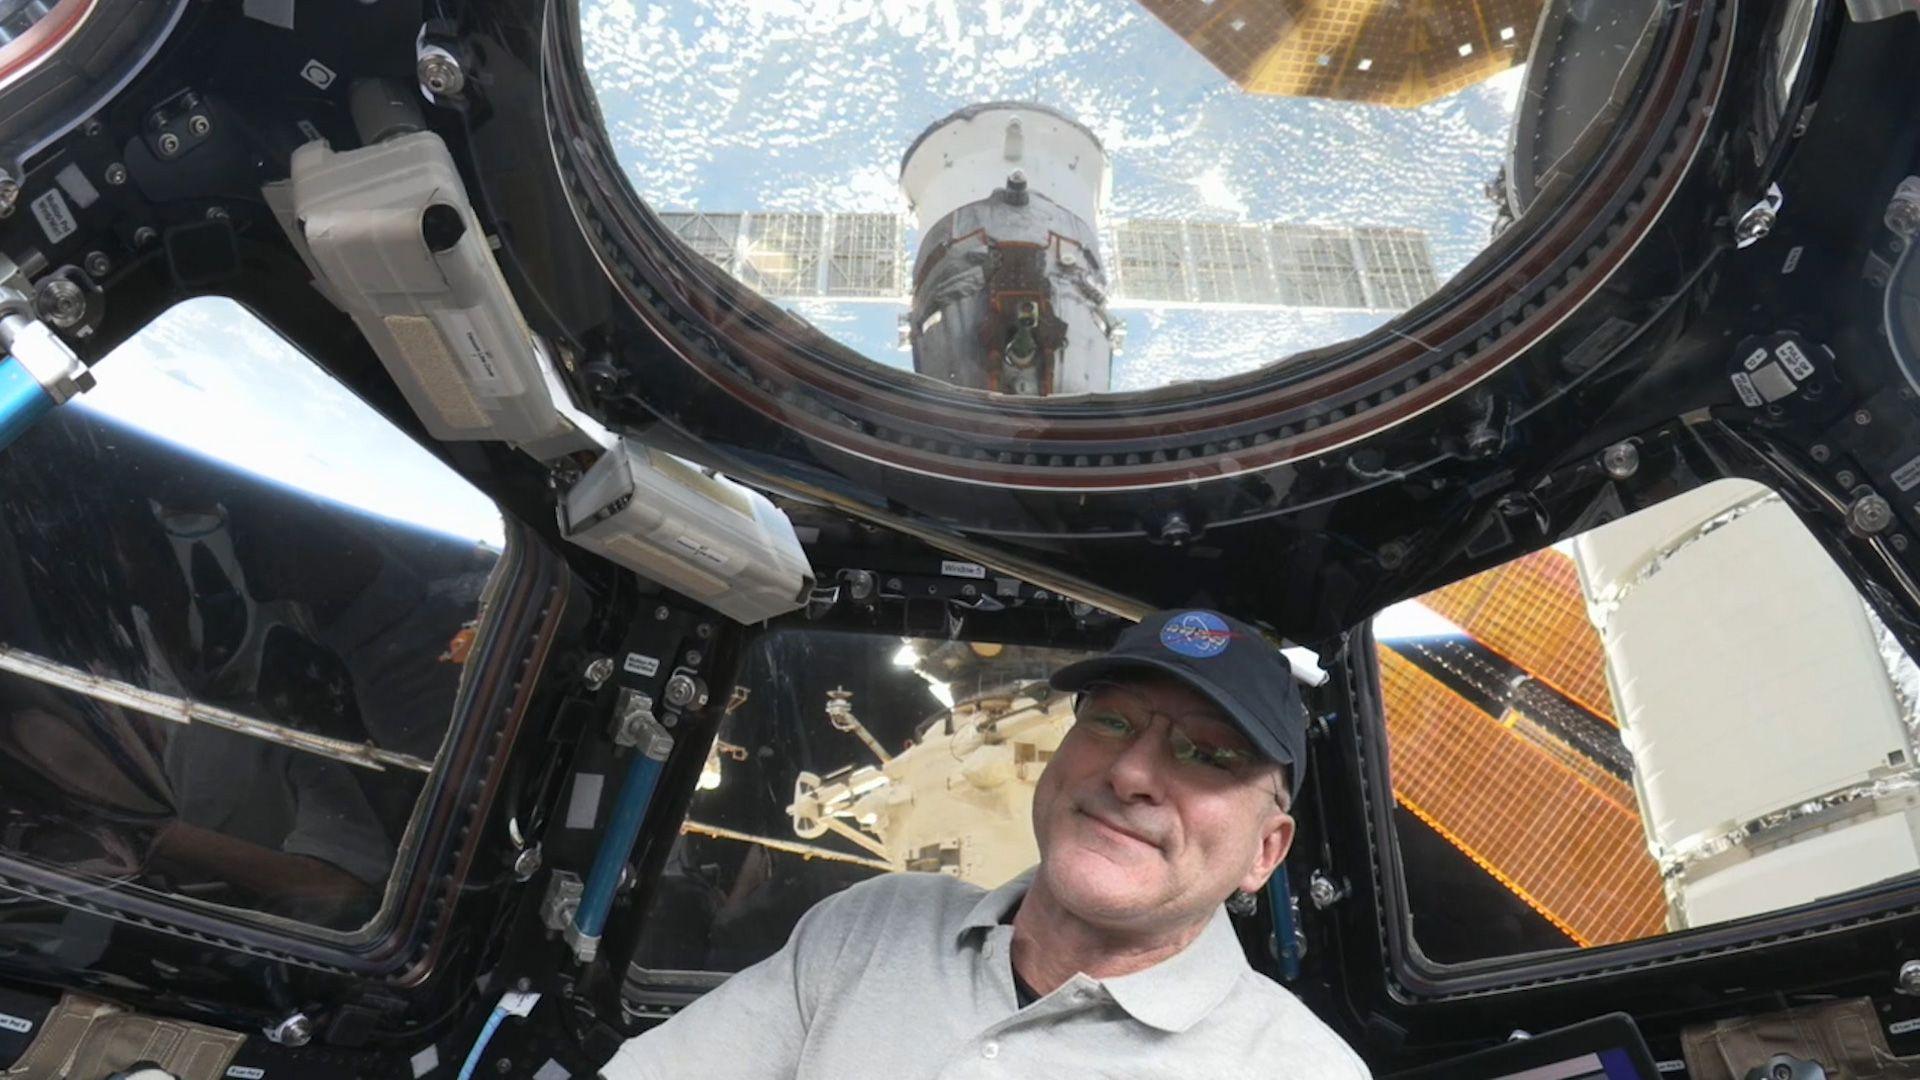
x=1223, y=659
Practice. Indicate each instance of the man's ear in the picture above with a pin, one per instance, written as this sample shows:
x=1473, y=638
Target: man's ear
x=1275, y=838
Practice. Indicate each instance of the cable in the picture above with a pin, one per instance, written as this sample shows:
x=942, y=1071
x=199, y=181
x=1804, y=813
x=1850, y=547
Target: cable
x=512, y=1003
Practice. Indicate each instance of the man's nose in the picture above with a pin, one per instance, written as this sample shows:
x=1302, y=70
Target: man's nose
x=1138, y=771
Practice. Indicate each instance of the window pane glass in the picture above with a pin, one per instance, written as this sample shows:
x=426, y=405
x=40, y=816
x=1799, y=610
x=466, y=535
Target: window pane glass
x=1679, y=719
x=221, y=531
x=843, y=761
x=1216, y=183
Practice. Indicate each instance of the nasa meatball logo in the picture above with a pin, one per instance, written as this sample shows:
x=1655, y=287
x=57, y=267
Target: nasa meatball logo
x=1196, y=634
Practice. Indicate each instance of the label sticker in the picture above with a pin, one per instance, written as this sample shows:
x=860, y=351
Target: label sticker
x=55, y=219
x=1772, y=382
x=77, y=186
x=1748, y=395
x=1670, y=1066
x=1793, y=259
x=963, y=569
x=1906, y=476
x=584, y=808
x=1755, y=359
x=246, y=1072
x=425, y=1061
x=321, y=76
x=15, y=1023
x=644, y=666
x=1196, y=634
x=1795, y=358
x=1904, y=1026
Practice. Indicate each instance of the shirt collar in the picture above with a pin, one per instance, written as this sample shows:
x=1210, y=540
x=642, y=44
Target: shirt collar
x=1172, y=995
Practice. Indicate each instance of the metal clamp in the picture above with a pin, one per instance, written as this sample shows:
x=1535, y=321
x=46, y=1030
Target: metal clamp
x=634, y=724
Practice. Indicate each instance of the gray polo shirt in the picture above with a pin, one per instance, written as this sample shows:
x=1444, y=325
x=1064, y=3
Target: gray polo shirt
x=910, y=975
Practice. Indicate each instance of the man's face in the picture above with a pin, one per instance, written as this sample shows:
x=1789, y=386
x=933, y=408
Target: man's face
x=1131, y=836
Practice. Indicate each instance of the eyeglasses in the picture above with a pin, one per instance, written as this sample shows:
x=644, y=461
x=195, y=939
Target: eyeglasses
x=1119, y=712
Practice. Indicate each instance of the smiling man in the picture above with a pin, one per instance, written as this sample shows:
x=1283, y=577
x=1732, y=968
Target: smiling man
x=1114, y=957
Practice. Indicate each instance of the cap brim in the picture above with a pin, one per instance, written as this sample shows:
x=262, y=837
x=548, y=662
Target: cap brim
x=1077, y=675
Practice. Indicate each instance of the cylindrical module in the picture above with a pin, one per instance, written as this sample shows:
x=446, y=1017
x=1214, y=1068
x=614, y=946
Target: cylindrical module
x=1009, y=289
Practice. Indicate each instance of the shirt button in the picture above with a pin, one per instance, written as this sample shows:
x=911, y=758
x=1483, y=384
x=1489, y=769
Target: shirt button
x=990, y=1051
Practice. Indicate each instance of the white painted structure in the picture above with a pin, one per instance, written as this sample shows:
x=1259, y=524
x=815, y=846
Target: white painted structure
x=1773, y=756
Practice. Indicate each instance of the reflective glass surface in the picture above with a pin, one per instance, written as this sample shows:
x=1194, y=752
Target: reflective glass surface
x=1641, y=731
x=216, y=683
x=1039, y=197
x=853, y=755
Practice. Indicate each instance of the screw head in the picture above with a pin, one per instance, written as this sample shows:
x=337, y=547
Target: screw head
x=527, y=863
x=684, y=691
x=1898, y=541
x=295, y=1030
x=216, y=213
x=9, y=195
x=1754, y=225
x=144, y=235
x=1621, y=460
x=169, y=144
x=199, y=125
x=660, y=613
x=1862, y=417
x=1175, y=530
x=694, y=658
x=1869, y=514
x=440, y=74
x=598, y=672
x=1903, y=216
x=98, y=264
x=1843, y=478
x=1910, y=977
x=1820, y=453
x=1321, y=890
x=116, y=174
x=60, y=302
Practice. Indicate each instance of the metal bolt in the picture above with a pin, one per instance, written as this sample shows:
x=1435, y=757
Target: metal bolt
x=98, y=264
x=684, y=691
x=169, y=144
x=1868, y=515
x=91, y=128
x=216, y=213
x=860, y=585
x=1843, y=478
x=199, y=125
x=694, y=658
x=1903, y=213
x=598, y=671
x=527, y=863
x=116, y=174
x=60, y=302
x=1910, y=977
x=1862, y=417
x=440, y=73
x=660, y=613
x=1754, y=225
x=9, y=195
x=144, y=235
x=1322, y=891
x=295, y=1030
x=1820, y=452
x=1898, y=541
x=703, y=631
x=1621, y=460
x=1175, y=530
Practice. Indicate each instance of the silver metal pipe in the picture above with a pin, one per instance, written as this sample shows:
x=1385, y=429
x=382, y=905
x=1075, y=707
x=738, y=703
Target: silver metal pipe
x=182, y=711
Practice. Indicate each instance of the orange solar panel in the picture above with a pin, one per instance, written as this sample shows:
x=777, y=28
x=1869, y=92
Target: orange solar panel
x=1532, y=612
x=1389, y=52
x=1566, y=840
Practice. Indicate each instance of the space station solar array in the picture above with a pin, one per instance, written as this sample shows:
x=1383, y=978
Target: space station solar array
x=1150, y=263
